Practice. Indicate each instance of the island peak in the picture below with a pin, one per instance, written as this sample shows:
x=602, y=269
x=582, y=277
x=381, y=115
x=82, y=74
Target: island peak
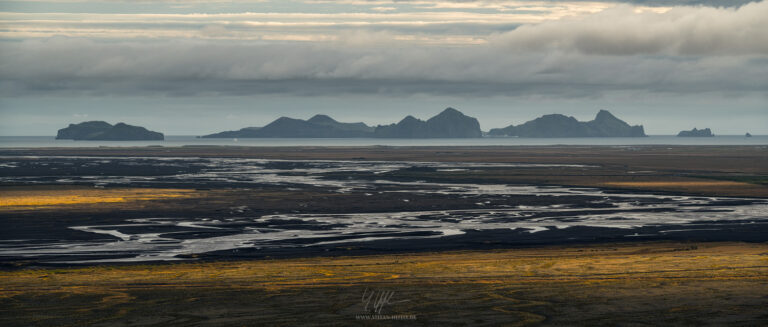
x=319, y=126
x=320, y=118
x=450, y=123
x=605, y=124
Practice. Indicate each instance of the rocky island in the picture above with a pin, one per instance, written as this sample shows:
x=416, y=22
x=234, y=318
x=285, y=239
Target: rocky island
x=103, y=131
x=319, y=126
x=706, y=132
x=450, y=123
x=605, y=124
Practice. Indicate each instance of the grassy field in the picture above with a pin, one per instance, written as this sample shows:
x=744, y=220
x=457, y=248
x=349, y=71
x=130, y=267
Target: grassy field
x=629, y=284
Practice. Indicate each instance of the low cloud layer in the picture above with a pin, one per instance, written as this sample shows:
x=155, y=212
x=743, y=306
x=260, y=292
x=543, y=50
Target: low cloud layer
x=685, y=31
x=684, y=50
x=502, y=3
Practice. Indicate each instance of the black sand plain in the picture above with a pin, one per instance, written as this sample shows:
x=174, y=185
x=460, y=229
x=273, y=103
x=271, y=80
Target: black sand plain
x=570, y=185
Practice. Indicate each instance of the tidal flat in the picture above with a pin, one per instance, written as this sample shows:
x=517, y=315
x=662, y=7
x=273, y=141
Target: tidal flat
x=449, y=235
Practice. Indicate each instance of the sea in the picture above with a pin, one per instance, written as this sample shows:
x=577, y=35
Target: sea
x=186, y=140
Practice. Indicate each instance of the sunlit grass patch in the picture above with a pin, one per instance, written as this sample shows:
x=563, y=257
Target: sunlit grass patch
x=516, y=287
x=723, y=260
x=23, y=197
x=55, y=200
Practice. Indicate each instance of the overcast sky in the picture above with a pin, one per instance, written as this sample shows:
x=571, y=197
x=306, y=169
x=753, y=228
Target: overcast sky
x=197, y=67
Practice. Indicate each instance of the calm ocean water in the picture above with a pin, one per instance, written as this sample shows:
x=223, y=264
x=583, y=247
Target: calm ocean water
x=173, y=141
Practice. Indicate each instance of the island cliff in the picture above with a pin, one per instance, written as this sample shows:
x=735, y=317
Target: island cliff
x=103, y=131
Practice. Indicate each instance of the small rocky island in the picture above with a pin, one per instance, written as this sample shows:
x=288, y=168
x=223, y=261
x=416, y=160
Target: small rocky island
x=605, y=124
x=450, y=123
x=706, y=132
x=103, y=131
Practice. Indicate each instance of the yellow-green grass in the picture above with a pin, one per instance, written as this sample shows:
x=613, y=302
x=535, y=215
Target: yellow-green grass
x=583, y=285
x=30, y=196
x=580, y=263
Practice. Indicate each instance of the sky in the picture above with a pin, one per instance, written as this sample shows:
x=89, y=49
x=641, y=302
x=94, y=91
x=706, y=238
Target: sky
x=197, y=67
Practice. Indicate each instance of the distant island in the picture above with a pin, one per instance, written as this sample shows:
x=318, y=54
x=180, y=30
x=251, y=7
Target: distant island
x=103, y=131
x=706, y=132
x=605, y=124
x=319, y=126
x=450, y=123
